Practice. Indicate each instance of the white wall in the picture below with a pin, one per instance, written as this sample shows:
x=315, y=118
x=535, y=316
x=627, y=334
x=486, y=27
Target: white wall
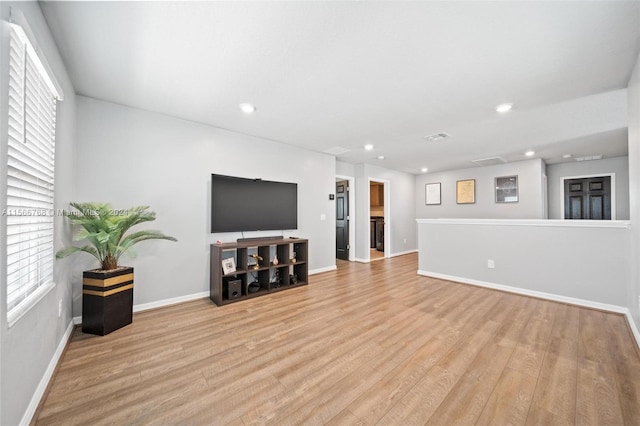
x=633, y=292
x=617, y=165
x=28, y=348
x=530, y=192
x=345, y=169
x=525, y=260
x=130, y=157
x=401, y=223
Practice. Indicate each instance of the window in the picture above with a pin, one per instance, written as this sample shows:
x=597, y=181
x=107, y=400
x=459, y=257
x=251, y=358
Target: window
x=30, y=176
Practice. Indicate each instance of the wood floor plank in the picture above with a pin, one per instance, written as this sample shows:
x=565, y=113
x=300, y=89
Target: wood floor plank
x=510, y=401
x=626, y=366
x=468, y=397
x=597, y=399
x=424, y=398
x=365, y=344
x=554, y=400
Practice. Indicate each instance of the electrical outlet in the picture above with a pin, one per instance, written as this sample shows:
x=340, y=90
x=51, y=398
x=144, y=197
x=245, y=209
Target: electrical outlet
x=491, y=264
x=405, y=241
x=59, y=308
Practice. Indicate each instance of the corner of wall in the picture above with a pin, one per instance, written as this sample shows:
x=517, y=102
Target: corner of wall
x=634, y=191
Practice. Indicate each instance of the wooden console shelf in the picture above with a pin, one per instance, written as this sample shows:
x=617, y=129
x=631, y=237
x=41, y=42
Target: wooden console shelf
x=291, y=271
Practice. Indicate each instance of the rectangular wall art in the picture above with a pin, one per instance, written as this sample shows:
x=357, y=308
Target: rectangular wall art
x=507, y=189
x=466, y=191
x=432, y=194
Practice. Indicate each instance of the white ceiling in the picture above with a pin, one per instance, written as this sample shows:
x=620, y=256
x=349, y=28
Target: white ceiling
x=343, y=74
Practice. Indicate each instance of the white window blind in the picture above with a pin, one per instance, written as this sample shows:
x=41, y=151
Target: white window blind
x=30, y=176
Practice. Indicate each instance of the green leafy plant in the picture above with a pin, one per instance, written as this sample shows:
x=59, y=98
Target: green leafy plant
x=104, y=229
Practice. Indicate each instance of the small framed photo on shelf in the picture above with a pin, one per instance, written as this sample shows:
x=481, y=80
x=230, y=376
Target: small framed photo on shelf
x=228, y=265
x=466, y=191
x=507, y=189
x=432, y=194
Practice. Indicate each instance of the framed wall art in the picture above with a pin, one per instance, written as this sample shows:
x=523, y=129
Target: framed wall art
x=507, y=189
x=466, y=191
x=432, y=195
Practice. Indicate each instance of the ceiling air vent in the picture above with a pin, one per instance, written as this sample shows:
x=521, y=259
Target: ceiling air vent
x=589, y=158
x=491, y=161
x=437, y=137
x=336, y=150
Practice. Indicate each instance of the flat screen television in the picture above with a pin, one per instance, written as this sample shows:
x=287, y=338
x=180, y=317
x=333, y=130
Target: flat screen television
x=240, y=204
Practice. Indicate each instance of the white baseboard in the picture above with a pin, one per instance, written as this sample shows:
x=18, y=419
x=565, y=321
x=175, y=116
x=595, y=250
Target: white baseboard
x=402, y=253
x=172, y=301
x=525, y=292
x=542, y=295
x=158, y=304
x=46, y=377
x=634, y=329
x=321, y=270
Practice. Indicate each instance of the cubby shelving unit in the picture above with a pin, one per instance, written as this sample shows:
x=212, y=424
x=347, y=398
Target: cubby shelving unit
x=271, y=278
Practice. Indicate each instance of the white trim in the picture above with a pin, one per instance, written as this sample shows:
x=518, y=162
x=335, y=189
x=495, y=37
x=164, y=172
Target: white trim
x=168, y=302
x=525, y=292
x=46, y=377
x=321, y=270
x=613, y=191
x=20, y=310
x=357, y=259
x=159, y=304
x=622, y=224
x=402, y=253
x=352, y=216
x=632, y=326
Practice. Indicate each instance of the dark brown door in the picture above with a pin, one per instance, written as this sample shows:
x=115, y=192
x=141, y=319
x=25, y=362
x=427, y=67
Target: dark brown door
x=588, y=198
x=342, y=220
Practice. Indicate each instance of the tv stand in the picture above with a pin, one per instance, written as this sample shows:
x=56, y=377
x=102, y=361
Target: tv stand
x=264, y=278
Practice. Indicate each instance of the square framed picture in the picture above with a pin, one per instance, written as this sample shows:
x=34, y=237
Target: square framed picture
x=432, y=194
x=228, y=265
x=507, y=189
x=466, y=191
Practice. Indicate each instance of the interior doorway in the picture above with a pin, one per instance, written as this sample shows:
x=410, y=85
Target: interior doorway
x=342, y=220
x=588, y=197
x=378, y=219
x=345, y=218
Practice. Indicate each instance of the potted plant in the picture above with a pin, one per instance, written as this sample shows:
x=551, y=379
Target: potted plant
x=107, y=292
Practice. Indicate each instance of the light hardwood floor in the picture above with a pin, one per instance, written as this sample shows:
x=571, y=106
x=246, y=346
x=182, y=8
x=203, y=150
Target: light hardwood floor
x=368, y=344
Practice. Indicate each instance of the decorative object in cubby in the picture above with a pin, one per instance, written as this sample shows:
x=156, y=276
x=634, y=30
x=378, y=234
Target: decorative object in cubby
x=258, y=259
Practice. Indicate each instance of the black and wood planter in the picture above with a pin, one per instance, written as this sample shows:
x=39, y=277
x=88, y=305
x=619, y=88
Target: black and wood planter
x=107, y=300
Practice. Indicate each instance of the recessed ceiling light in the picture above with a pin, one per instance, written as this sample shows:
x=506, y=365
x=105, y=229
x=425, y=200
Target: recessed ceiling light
x=529, y=153
x=247, y=108
x=424, y=170
x=566, y=156
x=380, y=157
x=368, y=147
x=502, y=108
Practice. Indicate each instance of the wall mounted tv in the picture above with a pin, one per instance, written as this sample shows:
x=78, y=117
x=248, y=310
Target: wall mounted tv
x=240, y=204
